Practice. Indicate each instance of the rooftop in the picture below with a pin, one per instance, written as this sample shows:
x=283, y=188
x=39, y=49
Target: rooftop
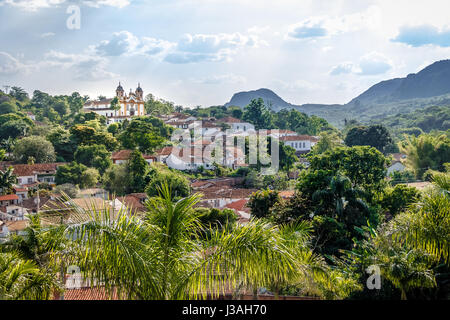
x=31, y=169
x=299, y=138
x=9, y=197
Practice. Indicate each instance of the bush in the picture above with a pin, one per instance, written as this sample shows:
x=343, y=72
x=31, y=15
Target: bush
x=37, y=147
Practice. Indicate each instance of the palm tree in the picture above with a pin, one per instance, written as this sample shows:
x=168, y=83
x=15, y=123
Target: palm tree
x=22, y=279
x=8, y=144
x=339, y=195
x=163, y=257
x=7, y=180
x=426, y=225
x=44, y=247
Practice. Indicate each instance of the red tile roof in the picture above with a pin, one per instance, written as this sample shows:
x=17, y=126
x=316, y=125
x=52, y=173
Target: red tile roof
x=9, y=197
x=89, y=294
x=299, y=138
x=17, y=225
x=230, y=120
x=125, y=155
x=166, y=151
x=239, y=205
x=21, y=170
x=281, y=131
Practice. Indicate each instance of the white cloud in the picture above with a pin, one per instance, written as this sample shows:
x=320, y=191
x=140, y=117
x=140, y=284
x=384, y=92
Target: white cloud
x=111, y=3
x=48, y=34
x=189, y=49
x=324, y=26
x=221, y=79
x=33, y=5
x=84, y=66
x=423, y=35
x=343, y=68
x=10, y=65
x=122, y=42
x=210, y=47
x=295, y=86
x=373, y=63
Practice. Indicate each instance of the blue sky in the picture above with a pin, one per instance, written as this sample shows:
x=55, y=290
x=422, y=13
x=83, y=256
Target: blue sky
x=200, y=52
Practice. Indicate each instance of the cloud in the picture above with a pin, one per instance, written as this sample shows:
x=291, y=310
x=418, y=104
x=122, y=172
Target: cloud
x=10, y=65
x=189, y=49
x=310, y=28
x=324, y=26
x=33, y=5
x=127, y=44
x=121, y=43
x=221, y=79
x=111, y=3
x=210, y=47
x=48, y=34
x=373, y=63
x=343, y=68
x=84, y=66
x=296, y=86
x=422, y=35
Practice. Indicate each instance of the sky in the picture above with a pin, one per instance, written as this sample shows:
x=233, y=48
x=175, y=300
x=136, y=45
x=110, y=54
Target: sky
x=201, y=52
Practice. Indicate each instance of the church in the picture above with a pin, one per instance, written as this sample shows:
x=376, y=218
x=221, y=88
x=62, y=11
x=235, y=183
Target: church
x=130, y=105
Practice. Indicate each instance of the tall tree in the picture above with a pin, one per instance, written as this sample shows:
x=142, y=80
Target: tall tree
x=7, y=180
x=34, y=146
x=258, y=114
x=138, y=169
x=96, y=156
x=18, y=93
x=376, y=136
x=426, y=152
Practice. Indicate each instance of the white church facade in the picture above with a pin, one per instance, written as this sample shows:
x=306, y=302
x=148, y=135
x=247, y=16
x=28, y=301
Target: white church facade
x=130, y=105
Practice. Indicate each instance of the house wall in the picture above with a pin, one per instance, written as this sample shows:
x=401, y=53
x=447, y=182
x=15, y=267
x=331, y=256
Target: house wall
x=22, y=180
x=243, y=126
x=300, y=145
x=395, y=167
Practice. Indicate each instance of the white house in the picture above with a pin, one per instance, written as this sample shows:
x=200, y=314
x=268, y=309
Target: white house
x=13, y=227
x=301, y=144
x=395, y=166
x=29, y=174
x=397, y=163
x=206, y=128
x=237, y=124
x=281, y=133
x=12, y=213
x=122, y=156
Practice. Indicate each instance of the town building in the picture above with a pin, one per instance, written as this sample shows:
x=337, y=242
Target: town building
x=32, y=174
x=123, y=156
x=301, y=143
x=237, y=124
x=130, y=105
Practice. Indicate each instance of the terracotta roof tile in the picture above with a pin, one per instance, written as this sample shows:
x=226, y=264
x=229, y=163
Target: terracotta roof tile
x=9, y=197
x=30, y=169
x=299, y=138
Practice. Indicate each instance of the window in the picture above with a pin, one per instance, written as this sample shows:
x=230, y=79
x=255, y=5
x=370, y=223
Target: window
x=303, y=144
x=30, y=180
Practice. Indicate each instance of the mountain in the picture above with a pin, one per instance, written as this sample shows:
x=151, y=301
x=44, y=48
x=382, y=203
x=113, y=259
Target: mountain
x=432, y=81
x=241, y=99
x=430, y=86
